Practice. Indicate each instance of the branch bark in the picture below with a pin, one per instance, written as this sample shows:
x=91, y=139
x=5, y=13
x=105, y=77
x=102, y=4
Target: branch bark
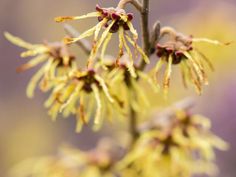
x=135, y=3
x=145, y=31
x=146, y=47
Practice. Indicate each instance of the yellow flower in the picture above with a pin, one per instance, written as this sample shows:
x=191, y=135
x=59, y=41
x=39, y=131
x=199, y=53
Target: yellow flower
x=56, y=58
x=179, y=49
x=183, y=148
x=69, y=162
x=113, y=20
x=80, y=93
x=129, y=91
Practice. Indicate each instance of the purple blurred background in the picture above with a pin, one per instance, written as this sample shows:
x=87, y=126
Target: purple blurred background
x=26, y=130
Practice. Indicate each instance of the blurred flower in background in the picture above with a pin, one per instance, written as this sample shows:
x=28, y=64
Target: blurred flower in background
x=25, y=130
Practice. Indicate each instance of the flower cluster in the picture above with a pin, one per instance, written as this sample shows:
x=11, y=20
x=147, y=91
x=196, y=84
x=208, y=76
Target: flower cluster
x=128, y=89
x=71, y=162
x=79, y=93
x=113, y=20
x=57, y=62
x=179, y=49
x=181, y=146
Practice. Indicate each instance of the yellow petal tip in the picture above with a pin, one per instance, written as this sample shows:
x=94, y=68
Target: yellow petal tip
x=63, y=19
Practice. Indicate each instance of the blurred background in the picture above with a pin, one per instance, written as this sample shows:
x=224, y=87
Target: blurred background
x=25, y=128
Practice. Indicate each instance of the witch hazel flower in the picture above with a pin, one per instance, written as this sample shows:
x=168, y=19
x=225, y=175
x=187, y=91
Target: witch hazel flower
x=124, y=86
x=79, y=94
x=55, y=56
x=110, y=20
x=179, y=49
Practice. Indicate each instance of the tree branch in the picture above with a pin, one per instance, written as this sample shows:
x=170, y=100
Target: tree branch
x=84, y=44
x=146, y=47
x=145, y=31
x=135, y=3
x=133, y=126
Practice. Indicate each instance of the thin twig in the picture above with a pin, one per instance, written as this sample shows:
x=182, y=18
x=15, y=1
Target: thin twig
x=135, y=3
x=83, y=43
x=146, y=47
x=133, y=126
x=145, y=31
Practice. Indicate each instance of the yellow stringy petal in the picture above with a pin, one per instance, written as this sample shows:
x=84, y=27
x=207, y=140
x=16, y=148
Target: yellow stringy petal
x=54, y=95
x=207, y=60
x=67, y=18
x=37, y=50
x=166, y=83
x=132, y=30
x=32, y=63
x=131, y=62
x=33, y=82
x=157, y=68
x=215, y=42
x=195, y=66
x=183, y=75
x=73, y=95
x=104, y=88
x=18, y=41
x=145, y=57
x=86, y=34
x=104, y=46
x=98, y=28
x=99, y=106
x=99, y=43
x=104, y=35
x=192, y=78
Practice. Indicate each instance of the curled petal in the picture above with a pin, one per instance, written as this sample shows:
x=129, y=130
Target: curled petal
x=104, y=46
x=131, y=64
x=184, y=75
x=98, y=28
x=34, y=80
x=193, y=78
x=205, y=59
x=99, y=43
x=73, y=96
x=145, y=57
x=157, y=68
x=32, y=63
x=35, y=51
x=168, y=73
x=195, y=66
x=104, y=88
x=99, y=105
x=67, y=18
x=215, y=42
x=132, y=30
x=90, y=32
x=18, y=41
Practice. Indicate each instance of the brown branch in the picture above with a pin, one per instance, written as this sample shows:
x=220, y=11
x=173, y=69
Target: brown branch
x=135, y=3
x=145, y=31
x=83, y=43
x=133, y=126
x=146, y=47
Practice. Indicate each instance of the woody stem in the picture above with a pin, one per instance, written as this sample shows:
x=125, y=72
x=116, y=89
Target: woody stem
x=145, y=31
x=135, y=3
x=146, y=47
